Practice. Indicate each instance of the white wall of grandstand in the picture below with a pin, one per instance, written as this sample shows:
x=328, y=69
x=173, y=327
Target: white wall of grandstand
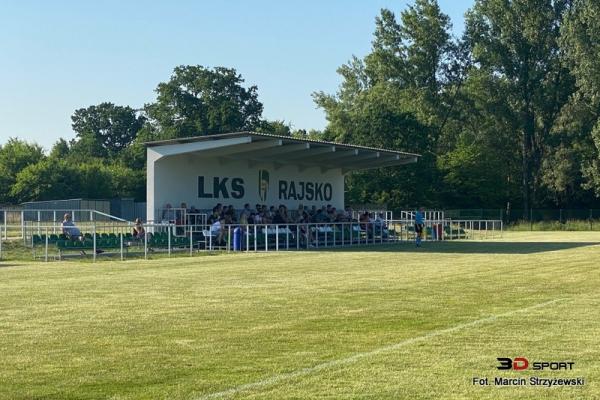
x=252, y=168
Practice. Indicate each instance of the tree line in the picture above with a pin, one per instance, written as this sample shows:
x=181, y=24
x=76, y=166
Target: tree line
x=505, y=116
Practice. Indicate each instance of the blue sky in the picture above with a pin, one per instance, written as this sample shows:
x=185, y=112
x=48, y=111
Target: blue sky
x=58, y=56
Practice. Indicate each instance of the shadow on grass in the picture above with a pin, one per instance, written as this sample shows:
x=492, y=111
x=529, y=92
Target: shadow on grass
x=465, y=247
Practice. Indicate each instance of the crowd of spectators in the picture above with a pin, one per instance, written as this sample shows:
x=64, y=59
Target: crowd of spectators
x=262, y=214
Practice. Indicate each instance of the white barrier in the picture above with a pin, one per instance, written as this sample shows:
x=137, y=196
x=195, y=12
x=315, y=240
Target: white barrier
x=118, y=240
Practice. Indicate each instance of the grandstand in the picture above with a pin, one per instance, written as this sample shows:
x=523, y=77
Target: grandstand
x=302, y=180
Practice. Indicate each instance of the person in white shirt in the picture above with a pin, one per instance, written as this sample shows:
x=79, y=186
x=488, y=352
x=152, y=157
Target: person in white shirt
x=217, y=229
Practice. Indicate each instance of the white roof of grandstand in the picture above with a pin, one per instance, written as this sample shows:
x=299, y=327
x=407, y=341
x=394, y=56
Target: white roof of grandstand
x=263, y=147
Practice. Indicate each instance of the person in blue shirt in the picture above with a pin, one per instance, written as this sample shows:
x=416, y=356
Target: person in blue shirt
x=419, y=225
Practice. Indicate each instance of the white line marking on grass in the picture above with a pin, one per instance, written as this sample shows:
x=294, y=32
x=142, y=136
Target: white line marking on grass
x=359, y=356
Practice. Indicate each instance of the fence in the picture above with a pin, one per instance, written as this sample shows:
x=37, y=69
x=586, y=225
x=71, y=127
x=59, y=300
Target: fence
x=531, y=215
x=21, y=223
x=47, y=242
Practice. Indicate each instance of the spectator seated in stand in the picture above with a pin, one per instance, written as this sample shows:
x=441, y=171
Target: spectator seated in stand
x=167, y=213
x=224, y=216
x=320, y=217
x=70, y=230
x=215, y=216
x=230, y=214
x=138, y=230
x=364, y=217
x=281, y=216
x=216, y=230
x=347, y=214
x=332, y=214
x=379, y=220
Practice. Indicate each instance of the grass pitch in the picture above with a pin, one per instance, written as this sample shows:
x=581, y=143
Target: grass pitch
x=379, y=323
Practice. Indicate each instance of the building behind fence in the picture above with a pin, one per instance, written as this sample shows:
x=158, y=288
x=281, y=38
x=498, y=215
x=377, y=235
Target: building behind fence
x=125, y=208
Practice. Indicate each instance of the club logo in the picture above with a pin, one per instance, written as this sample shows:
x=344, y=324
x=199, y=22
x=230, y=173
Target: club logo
x=263, y=184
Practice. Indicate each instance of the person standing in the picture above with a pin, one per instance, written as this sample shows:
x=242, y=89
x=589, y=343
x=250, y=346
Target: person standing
x=419, y=225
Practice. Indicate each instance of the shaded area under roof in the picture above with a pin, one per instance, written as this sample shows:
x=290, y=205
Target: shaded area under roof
x=262, y=147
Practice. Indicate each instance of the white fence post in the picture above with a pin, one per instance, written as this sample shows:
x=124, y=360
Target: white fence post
x=169, y=242
x=247, y=234
x=266, y=237
x=23, y=225
x=94, y=232
x=46, y=250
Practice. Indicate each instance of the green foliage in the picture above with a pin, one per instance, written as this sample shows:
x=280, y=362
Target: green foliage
x=515, y=47
x=104, y=130
x=392, y=99
x=499, y=114
x=55, y=178
x=15, y=155
x=275, y=128
x=201, y=101
x=47, y=179
x=581, y=40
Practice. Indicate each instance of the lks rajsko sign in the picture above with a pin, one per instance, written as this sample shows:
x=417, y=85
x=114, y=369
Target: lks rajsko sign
x=235, y=188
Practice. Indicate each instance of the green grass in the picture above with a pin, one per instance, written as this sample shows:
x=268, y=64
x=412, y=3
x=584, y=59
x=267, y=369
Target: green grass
x=184, y=328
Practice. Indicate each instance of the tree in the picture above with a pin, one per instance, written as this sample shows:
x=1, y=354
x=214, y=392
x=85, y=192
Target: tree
x=46, y=180
x=515, y=46
x=274, y=128
x=396, y=98
x=15, y=155
x=60, y=149
x=105, y=129
x=58, y=178
x=200, y=101
x=580, y=38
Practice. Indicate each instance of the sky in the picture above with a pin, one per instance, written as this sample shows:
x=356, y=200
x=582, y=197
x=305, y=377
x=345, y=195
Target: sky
x=56, y=57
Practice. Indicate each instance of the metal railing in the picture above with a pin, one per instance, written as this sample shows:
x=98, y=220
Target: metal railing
x=17, y=223
x=49, y=242
x=474, y=229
